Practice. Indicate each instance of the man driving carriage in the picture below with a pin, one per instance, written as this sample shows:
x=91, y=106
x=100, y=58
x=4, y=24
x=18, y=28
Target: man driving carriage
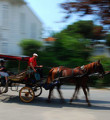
x=33, y=67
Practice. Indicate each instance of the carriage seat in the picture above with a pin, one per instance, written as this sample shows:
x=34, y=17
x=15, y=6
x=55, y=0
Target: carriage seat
x=18, y=77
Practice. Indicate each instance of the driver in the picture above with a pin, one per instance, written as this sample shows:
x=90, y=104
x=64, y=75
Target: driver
x=33, y=64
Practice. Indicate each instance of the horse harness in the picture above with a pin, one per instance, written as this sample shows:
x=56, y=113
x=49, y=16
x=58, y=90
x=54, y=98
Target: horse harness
x=82, y=68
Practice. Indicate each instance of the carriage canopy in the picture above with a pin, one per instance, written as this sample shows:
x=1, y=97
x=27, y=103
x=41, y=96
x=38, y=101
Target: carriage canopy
x=11, y=57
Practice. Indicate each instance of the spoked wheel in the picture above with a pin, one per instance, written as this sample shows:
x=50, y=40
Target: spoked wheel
x=26, y=94
x=38, y=91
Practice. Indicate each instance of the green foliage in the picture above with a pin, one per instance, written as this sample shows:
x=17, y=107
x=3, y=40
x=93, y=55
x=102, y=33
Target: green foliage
x=71, y=48
x=30, y=46
x=106, y=64
x=104, y=60
x=71, y=51
x=82, y=28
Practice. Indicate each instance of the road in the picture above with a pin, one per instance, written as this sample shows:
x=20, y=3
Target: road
x=11, y=108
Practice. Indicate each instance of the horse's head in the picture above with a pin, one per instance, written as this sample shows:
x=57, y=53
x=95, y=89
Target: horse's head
x=99, y=68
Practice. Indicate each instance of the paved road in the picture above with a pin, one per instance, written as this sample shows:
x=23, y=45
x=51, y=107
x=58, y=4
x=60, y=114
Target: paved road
x=11, y=108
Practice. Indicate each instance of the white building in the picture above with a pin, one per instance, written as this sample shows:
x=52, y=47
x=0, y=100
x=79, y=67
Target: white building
x=17, y=22
x=100, y=48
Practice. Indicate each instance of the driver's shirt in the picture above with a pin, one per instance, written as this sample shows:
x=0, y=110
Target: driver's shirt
x=33, y=61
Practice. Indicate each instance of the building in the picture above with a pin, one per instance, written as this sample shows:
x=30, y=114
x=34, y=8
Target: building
x=17, y=22
x=100, y=48
x=49, y=41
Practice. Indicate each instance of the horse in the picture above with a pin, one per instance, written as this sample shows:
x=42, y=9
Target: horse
x=79, y=76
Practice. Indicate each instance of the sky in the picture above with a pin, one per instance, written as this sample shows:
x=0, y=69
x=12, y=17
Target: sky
x=51, y=14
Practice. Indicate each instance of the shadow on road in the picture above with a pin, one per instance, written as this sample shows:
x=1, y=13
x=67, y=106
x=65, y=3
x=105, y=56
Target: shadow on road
x=56, y=103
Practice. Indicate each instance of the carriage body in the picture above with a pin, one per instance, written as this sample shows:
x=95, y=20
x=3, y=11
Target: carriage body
x=24, y=82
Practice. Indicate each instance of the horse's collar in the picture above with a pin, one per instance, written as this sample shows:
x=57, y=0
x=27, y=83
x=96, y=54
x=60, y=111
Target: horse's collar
x=82, y=67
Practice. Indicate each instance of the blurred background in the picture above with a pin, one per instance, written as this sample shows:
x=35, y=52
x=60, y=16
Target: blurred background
x=67, y=33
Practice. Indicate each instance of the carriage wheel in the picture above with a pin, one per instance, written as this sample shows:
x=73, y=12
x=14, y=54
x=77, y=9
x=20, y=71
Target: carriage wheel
x=26, y=94
x=38, y=91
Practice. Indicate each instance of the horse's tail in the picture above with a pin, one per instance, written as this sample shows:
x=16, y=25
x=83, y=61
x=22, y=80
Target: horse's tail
x=54, y=73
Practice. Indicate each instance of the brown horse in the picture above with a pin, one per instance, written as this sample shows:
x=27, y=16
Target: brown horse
x=79, y=76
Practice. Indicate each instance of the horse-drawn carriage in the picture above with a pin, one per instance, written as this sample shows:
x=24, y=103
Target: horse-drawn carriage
x=25, y=81
x=30, y=88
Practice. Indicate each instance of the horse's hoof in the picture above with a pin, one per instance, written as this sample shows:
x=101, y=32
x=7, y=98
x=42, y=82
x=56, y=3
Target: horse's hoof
x=89, y=105
x=76, y=98
x=71, y=101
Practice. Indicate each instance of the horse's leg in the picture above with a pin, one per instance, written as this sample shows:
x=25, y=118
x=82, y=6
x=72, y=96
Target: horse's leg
x=76, y=91
x=50, y=94
x=76, y=96
x=87, y=89
x=60, y=94
x=84, y=90
x=88, y=79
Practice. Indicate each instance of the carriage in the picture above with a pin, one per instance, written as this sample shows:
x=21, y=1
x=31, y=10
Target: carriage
x=29, y=88
x=23, y=82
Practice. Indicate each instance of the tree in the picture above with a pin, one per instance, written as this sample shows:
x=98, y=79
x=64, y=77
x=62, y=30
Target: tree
x=70, y=51
x=100, y=8
x=30, y=46
x=84, y=28
x=98, y=32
